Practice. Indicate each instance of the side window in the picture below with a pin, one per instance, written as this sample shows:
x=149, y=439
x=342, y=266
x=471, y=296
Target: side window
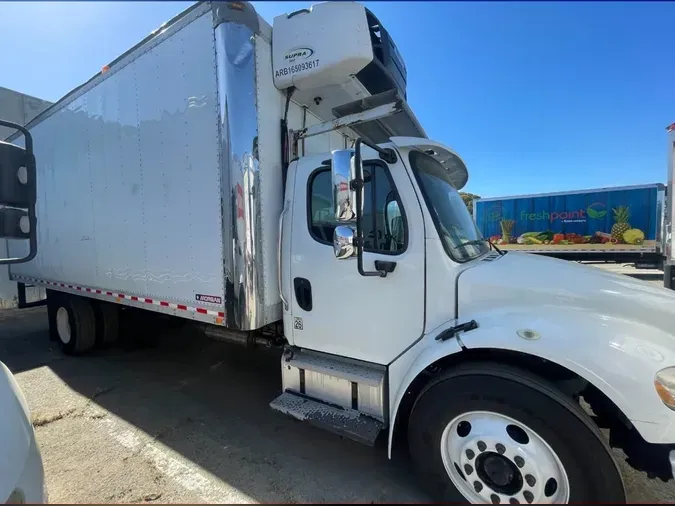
x=384, y=227
x=321, y=214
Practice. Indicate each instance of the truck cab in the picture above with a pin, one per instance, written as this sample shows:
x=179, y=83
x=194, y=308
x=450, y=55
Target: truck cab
x=394, y=247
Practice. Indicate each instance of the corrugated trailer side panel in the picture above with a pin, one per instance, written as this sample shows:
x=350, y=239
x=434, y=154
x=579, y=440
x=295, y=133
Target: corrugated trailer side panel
x=581, y=213
x=129, y=182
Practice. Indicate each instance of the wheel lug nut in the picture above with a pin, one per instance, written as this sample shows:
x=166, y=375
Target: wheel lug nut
x=520, y=461
x=495, y=499
x=500, y=448
x=468, y=469
x=482, y=446
x=477, y=486
x=470, y=455
x=528, y=496
x=531, y=480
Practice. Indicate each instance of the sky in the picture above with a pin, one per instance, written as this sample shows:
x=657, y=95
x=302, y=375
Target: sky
x=534, y=96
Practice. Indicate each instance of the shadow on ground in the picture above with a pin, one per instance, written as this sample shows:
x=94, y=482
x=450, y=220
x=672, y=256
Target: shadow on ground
x=209, y=401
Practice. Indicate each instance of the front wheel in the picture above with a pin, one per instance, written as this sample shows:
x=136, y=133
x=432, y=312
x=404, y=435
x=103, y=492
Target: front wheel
x=486, y=433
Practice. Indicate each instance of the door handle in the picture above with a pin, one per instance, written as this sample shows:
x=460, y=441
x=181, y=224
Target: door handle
x=303, y=293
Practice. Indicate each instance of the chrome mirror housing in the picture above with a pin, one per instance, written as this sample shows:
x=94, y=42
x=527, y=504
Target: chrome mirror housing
x=343, y=242
x=344, y=196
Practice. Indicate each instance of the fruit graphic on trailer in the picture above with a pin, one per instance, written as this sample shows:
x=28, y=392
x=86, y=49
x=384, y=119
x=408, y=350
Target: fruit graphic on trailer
x=621, y=225
x=507, y=230
x=634, y=236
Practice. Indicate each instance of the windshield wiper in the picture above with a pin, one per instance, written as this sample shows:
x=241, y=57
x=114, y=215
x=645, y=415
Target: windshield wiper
x=481, y=241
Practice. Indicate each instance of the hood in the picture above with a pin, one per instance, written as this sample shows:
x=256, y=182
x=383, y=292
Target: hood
x=520, y=279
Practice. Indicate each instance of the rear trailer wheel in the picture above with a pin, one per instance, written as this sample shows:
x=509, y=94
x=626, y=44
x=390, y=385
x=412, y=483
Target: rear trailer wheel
x=487, y=433
x=107, y=323
x=52, y=308
x=73, y=324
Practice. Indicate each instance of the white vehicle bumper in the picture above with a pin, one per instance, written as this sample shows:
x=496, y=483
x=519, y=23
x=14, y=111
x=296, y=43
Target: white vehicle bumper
x=21, y=471
x=30, y=487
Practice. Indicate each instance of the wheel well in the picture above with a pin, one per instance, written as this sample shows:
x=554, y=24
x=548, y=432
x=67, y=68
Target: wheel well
x=604, y=412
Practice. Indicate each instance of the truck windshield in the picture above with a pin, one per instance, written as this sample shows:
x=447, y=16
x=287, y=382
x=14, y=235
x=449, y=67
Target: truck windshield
x=461, y=238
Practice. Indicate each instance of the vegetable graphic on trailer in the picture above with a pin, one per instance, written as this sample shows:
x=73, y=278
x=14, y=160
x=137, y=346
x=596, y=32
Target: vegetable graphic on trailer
x=617, y=223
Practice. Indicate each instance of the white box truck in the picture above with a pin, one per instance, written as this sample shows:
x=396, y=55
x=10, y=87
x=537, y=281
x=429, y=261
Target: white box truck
x=270, y=185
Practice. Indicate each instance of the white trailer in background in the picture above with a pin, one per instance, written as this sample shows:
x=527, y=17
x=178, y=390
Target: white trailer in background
x=668, y=251
x=18, y=108
x=271, y=185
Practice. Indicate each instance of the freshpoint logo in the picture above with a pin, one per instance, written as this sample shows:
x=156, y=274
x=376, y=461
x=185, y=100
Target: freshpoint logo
x=596, y=210
x=494, y=213
x=555, y=215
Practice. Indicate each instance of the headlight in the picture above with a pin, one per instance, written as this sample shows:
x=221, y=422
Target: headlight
x=664, y=382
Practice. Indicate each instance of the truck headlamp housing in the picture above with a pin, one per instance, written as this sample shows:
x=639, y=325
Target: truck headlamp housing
x=664, y=382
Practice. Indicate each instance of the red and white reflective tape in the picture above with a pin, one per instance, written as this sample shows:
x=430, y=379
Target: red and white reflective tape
x=134, y=298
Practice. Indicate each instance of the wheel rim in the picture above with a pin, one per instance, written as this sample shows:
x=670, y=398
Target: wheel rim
x=492, y=458
x=63, y=325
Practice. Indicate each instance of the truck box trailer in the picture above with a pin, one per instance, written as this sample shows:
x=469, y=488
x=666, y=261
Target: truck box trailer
x=622, y=224
x=271, y=186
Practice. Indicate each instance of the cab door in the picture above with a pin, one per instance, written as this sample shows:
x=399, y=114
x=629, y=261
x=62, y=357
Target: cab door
x=333, y=308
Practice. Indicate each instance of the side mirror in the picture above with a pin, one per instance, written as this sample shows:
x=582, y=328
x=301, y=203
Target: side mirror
x=343, y=242
x=343, y=173
x=17, y=176
x=18, y=193
x=14, y=223
x=393, y=221
x=348, y=183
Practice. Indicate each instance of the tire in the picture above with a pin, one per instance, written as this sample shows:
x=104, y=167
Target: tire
x=73, y=324
x=52, y=306
x=107, y=318
x=519, y=416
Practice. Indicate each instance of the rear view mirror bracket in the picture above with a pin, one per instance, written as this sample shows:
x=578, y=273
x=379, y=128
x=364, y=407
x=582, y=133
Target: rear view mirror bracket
x=348, y=182
x=18, y=193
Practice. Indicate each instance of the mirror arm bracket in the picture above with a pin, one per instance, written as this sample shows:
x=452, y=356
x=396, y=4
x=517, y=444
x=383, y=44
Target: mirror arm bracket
x=358, y=185
x=32, y=174
x=388, y=155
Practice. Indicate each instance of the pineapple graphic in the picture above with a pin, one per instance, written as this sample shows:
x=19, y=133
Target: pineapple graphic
x=621, y=224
